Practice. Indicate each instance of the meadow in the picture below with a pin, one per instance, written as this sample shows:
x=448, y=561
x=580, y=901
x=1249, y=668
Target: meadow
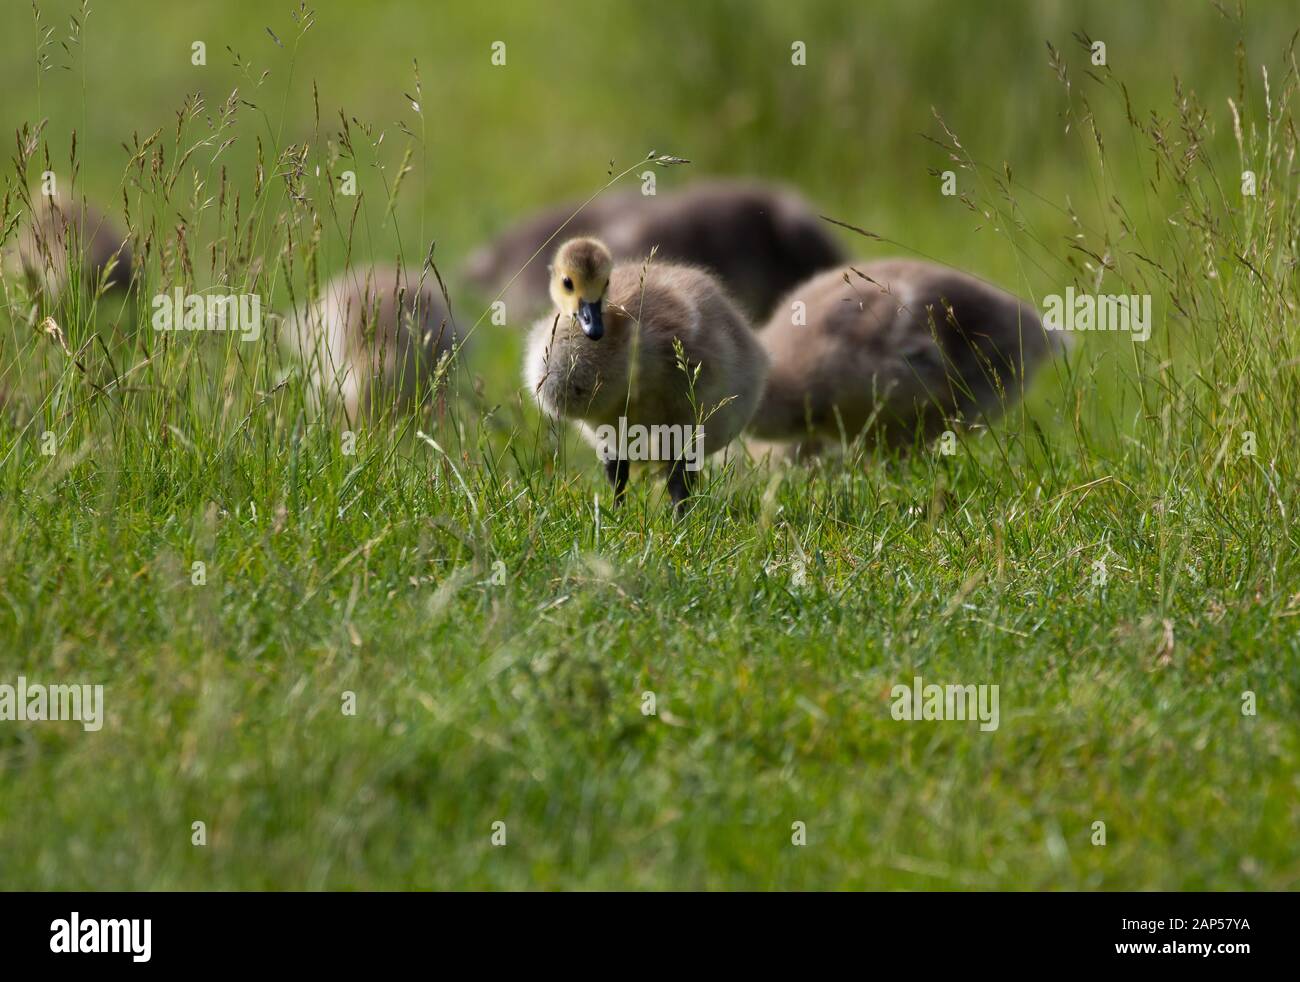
x=1118, y=553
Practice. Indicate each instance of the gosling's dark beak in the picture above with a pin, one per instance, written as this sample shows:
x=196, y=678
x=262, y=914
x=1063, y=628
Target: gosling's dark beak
x=589, y=316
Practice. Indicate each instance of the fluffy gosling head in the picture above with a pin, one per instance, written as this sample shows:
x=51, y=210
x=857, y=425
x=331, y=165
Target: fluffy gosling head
x=579, y=279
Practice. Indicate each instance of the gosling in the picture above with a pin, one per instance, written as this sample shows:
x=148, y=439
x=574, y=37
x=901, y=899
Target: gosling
x=373, y=339
x=608, y=359
x=66, y=237
x=894, y=351
x=759, y=239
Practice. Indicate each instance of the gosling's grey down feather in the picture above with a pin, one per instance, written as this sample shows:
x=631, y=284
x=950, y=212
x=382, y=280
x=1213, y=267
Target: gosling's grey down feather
x=760, y=239
x=373, y=339
x=62, y=228
x=897, y=347
x=632, y=370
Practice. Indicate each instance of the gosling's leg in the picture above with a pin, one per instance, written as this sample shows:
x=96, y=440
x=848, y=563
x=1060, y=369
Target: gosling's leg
x=617, y=471
x=679, y=485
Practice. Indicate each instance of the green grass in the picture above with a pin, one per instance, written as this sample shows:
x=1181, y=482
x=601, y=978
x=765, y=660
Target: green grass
x=770, y=624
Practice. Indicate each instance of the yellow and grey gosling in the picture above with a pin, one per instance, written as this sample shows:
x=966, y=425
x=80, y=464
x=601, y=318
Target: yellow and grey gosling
x=759, y=239
x=895, y=350
x=373, y=339
x=607, y=355
x=63, y=229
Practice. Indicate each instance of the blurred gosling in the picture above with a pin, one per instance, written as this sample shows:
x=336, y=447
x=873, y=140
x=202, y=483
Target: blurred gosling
x=895, y=349
x=607, y=359
x=63, y=229
x=760, y=239
x=373, y=339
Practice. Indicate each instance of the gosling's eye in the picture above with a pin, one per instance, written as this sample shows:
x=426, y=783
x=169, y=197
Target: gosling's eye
x=568, y=284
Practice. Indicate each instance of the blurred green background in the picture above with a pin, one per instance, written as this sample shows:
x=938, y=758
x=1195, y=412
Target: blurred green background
x=586, y=84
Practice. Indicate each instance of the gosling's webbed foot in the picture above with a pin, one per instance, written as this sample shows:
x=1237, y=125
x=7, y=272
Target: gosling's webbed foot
x=679, y=486
x=617, y=471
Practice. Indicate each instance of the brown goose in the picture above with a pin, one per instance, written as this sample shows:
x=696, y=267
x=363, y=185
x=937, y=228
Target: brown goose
x=759, y=239
x=373, y=339
x=62, y=227
x=897, y=348
x=607, y=359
